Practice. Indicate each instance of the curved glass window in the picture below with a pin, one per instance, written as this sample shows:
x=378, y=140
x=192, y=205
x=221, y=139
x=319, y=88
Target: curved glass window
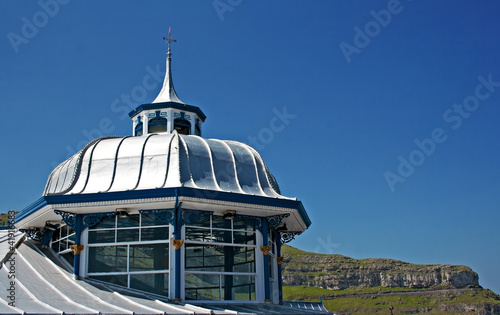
x=157, y=125
x=183, y=126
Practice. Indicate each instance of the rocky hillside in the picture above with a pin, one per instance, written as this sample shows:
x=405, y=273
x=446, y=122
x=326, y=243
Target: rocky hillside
x=374, y=285
x=337, y=272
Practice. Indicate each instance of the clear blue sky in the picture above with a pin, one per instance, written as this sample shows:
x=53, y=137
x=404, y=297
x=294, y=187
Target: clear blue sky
x=365, y=93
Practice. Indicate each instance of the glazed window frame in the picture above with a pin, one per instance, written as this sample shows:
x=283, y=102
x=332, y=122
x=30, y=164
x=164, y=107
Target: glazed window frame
x=141, y=252
x=157, y=123
x=122, y=231
x=61, y=241
x=230, y=238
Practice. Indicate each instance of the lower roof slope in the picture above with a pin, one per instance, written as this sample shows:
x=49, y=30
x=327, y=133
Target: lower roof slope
x=41, y=286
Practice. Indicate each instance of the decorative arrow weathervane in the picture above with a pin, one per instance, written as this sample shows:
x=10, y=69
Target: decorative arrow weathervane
x=169, y=40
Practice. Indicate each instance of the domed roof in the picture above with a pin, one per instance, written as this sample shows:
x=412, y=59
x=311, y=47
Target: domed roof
x=163, y=160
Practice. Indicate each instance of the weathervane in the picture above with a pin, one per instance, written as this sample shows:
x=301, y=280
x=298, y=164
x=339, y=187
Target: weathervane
x=169, y=40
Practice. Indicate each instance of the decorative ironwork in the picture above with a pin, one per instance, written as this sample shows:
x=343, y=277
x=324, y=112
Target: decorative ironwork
x=162, y=215
x=266, y=249
x=34, y=234
x=88, y=219
x=68, y=218
x=288, y=236
x=177, y=243
x=279, y=260
x=255, y=222
x=191, y=216
x=92, y=219
x=274, y=221
x=77, y=249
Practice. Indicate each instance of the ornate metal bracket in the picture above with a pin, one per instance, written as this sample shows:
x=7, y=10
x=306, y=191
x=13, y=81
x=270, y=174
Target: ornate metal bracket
x=279, y=260
x=34, y=234
x=255, y=222
x=162, y=215
x=274, y=221
x=88, y=219
x=288, y=236
x=191, y=216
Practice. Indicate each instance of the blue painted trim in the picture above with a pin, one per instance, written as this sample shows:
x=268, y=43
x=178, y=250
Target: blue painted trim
x=165, y=192
x=164, y=105
x=177, y=252
x=32, y=208
x=267, y=271
x=277, y=238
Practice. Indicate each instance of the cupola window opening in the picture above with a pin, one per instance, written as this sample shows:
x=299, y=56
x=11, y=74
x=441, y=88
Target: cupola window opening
x=197, y=128
x=182, y=125
x=157, y=124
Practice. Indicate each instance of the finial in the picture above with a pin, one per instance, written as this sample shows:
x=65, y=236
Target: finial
x=169, y=40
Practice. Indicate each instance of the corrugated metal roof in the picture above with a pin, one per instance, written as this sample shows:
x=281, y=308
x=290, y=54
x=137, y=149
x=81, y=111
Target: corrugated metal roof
x=163, y=161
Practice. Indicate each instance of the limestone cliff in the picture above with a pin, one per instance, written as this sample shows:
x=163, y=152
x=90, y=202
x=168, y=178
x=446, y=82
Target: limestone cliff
x=337, y=272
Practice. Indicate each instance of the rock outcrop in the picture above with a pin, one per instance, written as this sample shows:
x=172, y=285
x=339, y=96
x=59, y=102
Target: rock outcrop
x=337, y=272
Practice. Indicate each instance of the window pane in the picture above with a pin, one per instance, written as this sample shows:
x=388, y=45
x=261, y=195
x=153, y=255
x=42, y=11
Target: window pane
x=63, y=245
x=149, y=257
x=204, y=258
x=107, y=259
x=128, y=235
x=101, y=236
x=244, y=260
x=202, y=287
x=244, y=238
x=219, y=223
x=157, y=128
x=195, y=234
x=131, y=220
x=150, y=220
x=69, y=257
x=240, y=224
x=243, y=287
x=152, y=282
x=55, y=246
x=116, y=279
x=152, y=234
x=64, y=231
x=221, y=236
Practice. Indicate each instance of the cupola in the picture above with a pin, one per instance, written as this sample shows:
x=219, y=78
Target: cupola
x=167, y=112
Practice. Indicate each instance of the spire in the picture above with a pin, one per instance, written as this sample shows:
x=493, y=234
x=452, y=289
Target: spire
x=167, y=93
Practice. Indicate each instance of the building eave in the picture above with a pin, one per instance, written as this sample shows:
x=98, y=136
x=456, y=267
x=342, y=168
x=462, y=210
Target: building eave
x=165, y=105
x=165, y=195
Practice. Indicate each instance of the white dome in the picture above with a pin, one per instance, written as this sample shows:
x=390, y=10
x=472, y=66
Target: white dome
x=163, y=161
